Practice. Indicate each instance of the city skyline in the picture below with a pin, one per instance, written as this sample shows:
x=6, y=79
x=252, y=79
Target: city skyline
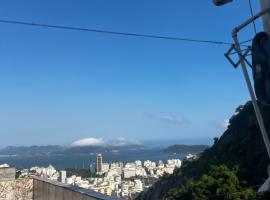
x=59, y=86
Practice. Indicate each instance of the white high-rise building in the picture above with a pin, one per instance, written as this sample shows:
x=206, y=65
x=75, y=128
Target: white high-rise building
x=105, y=167
x=129, y=170
x=138, y=163
x=63, y=176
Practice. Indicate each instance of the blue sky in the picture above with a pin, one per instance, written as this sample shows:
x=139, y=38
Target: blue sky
x=59, y=86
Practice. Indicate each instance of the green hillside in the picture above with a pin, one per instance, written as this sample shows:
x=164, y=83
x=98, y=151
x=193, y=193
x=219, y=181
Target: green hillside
x=181, y=148
x=240, y=145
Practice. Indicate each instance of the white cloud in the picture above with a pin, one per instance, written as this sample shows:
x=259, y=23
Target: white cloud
x=172, y=119
x=125, y=142
x=89, y=142
x=101, y=142
x=226, y=123
x=223, y=125
x=169, y=119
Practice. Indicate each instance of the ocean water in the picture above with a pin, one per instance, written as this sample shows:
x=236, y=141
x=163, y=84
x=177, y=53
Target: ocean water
x=84, y=160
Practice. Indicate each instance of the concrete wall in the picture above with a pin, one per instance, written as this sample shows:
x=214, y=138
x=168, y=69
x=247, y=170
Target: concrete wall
x=52, y=190
x=7, y=173
x=42, y=189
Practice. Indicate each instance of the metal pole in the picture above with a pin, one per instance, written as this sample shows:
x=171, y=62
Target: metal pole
x=266, y=18
x=250, y=20
x=252, y=94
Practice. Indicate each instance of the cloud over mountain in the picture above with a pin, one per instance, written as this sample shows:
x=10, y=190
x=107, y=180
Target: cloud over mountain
x=120, y=142
x=89, y=142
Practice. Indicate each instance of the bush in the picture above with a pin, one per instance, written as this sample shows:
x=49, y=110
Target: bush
x=220, y=183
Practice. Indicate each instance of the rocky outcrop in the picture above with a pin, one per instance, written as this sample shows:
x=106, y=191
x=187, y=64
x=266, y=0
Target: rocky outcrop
x=20, y=189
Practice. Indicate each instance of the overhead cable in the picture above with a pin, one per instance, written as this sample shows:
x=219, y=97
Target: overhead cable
x=113, y=32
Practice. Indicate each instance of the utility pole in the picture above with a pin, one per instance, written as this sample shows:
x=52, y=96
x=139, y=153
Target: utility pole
x=266, y=18
x=265, y=5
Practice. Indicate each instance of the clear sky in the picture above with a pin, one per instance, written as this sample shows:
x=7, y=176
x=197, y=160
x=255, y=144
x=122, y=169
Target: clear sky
x=58, y=86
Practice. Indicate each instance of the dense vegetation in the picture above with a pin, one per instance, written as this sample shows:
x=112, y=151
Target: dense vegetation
x=219, y=183
x=181, y=148
x=84, y=173
x=241, y=145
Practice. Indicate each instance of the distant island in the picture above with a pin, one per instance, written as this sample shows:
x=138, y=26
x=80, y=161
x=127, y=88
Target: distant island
x=181, y=148
x=31, y=150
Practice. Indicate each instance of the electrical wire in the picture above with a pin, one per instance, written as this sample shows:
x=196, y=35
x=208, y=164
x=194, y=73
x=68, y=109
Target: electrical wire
x=113, y=32
x=246, y=41
x=242, y=50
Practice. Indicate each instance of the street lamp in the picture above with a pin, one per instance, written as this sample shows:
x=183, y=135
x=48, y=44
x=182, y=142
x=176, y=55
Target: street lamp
x=264, y=4
x=221, y=2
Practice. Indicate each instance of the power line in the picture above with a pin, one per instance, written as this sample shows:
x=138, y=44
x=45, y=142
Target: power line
x=242, y=50
x=254, y=25
x=246, y=41
x=113, y=32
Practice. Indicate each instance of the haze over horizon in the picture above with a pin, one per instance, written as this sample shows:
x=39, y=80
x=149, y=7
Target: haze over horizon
x=122, y=142
x=61, y=86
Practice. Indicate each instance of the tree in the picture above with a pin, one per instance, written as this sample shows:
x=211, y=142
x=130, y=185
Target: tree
x=220, y=183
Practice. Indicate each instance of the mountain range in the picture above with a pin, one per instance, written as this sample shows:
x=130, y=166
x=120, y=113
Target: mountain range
x=57, y=149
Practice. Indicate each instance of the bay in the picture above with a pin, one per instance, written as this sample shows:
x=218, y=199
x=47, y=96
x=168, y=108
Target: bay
x=84, y=160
